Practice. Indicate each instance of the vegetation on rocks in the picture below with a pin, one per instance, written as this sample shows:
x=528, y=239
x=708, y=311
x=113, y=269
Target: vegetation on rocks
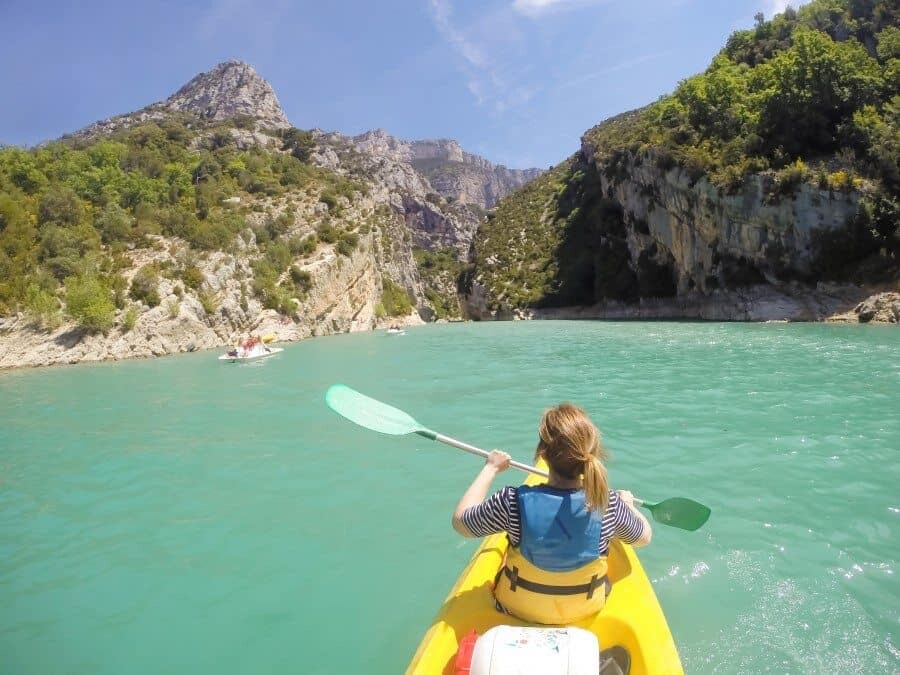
x=808, y=97
x=811, y=96
x=440, y=269
x=88, y=302
x=87, y=204
x=514, y=253
x=394, y=300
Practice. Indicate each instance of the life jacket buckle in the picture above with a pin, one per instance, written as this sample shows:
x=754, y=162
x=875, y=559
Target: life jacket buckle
x=592, y=586
x=513, y=578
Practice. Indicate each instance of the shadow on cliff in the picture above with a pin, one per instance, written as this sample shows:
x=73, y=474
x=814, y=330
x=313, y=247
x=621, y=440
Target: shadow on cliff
x=596, y=264
x=70, y=338
x=594, y=260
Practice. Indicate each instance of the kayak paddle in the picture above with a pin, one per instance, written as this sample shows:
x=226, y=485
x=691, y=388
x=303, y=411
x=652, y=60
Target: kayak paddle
x=677, y=512
x=377, y=416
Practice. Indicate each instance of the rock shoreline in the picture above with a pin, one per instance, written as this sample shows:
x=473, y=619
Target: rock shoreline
x=23, y=345
x=825, y=303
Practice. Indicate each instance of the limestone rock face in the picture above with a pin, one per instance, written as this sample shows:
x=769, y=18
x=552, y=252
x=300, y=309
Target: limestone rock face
x=881, y=307
x=683, y=248
x=713, y=240
x=451, y=172
x=397, y=208
x=231, y=88
x=441, y=190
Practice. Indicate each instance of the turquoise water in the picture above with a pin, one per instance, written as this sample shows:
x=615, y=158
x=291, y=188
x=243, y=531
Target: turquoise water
x=182, y=515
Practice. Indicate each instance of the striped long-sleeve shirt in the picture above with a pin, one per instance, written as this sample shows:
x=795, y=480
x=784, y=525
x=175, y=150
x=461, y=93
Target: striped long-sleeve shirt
x=500, y=513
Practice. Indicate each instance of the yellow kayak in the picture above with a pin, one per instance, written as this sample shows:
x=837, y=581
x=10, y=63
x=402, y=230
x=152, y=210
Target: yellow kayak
x=632, y=617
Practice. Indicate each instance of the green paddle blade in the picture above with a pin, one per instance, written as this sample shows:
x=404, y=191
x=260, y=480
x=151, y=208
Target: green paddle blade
x=679, y=512
x=369, y=413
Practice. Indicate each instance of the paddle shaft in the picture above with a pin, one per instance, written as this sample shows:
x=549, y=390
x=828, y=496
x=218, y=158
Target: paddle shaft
x=427, y=433
x=447, y=440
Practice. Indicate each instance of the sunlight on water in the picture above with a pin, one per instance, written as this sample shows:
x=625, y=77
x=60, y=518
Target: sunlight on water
x=184, y=515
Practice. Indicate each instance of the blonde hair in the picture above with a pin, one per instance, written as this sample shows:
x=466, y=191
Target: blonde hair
x=570, y=443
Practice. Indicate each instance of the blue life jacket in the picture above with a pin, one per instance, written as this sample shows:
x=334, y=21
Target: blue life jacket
x=558, y=533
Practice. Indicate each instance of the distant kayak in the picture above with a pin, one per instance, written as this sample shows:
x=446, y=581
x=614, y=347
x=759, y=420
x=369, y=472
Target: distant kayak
x=258, y=351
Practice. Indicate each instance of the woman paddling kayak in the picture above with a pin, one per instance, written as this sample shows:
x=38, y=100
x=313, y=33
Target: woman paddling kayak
x=555, y=571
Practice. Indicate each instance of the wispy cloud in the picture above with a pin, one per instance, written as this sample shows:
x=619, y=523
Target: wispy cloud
x=535, y=7
x=442, y=12
x=496, y=51
x=622, y=65
x=489, y=77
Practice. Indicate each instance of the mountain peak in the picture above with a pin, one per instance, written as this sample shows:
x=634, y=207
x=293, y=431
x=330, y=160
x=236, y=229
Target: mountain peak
x=231, y=88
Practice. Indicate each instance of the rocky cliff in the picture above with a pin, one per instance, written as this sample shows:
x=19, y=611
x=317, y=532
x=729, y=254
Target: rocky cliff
x=630, y=239
x=344, y=292
x=445, y=191
x=230, y=89
x=690, y=232
x=442, y=193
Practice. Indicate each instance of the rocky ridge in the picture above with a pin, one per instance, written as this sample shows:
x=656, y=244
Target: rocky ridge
x=709, y=240
x=441, y=191
x=445, y=191
x=451, y=172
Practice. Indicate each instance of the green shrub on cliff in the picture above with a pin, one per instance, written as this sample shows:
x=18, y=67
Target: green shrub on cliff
x=394, y=299
x=515, y=248
x=129, y=319
x=440, y=270
x=347, y=243
x=43, y=306
x=88, y=302
x=145, y=284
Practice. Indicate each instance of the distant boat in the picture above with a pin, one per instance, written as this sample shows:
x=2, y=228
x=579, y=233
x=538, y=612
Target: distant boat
x=396, y=331
x=257, y=351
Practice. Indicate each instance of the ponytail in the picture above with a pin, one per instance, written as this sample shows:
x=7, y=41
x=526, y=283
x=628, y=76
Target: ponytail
x=596, y=484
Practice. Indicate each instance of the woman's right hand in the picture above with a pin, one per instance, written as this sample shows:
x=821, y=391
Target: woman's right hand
x=498, y=460
x=647, y=530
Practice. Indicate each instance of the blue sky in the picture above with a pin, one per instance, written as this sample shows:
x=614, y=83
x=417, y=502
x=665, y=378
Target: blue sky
x=517, y=81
